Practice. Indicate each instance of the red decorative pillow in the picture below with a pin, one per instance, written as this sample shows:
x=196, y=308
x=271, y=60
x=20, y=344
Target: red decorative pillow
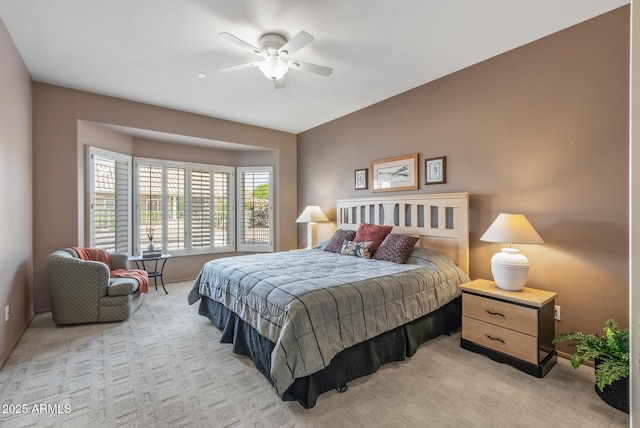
x=395, y=248
x=372, y=232
x=335, y=243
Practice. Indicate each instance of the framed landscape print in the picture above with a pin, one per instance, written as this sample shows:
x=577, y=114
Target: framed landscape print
x=399, y=173
x=435, y=170
x=362, y=179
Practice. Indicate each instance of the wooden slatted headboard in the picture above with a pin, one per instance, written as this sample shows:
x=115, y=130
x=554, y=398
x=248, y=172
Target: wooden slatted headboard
x=441, y=220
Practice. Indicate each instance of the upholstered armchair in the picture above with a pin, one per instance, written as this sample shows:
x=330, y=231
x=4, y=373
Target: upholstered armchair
x=82, y=291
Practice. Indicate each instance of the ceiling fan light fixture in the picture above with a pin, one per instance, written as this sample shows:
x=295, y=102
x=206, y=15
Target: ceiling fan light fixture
x=273, y=68
x=275, y=51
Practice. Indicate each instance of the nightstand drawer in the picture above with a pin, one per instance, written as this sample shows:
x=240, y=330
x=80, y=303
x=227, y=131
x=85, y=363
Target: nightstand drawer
x=503, y=314
x=503, y=340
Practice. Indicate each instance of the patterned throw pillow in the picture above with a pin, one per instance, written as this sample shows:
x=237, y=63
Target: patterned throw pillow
x=395, y=248
x=335, y=243
x=358, y=249
x=373, y=233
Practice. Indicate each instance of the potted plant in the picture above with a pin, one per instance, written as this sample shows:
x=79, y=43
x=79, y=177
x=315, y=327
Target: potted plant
x=610, y=354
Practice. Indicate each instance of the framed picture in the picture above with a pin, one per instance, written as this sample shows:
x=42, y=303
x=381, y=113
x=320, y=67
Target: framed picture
x=435, y=170
x=399, y=173
x=362, y=179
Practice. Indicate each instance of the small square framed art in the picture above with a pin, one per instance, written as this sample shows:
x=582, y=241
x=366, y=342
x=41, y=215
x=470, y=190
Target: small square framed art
x=361, y=179
x=435, y=170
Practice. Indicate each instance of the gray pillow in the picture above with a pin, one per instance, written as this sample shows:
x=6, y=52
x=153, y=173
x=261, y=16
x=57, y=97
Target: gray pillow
x=395, y=248
x=335, y=243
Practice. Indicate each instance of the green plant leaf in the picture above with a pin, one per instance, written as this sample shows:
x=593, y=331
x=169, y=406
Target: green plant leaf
x=611, y=352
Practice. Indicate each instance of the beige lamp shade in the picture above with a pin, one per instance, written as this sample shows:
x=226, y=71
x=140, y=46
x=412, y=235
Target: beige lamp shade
x=510, y=268
x=311, y=215
x=511, y=229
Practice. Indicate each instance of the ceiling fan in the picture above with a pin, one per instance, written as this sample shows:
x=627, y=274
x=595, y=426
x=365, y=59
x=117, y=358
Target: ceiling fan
x=275, y=51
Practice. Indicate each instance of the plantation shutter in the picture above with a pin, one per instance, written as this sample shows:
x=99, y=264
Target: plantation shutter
x=186, y=207
x=223, y=210
x=150, y=211
x=109, y=184
x=255, y=209
x=175, y=208
x=200, y=209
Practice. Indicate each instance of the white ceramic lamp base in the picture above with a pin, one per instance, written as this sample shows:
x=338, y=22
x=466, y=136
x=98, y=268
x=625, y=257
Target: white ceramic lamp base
x=312, y=234
x=510, y=269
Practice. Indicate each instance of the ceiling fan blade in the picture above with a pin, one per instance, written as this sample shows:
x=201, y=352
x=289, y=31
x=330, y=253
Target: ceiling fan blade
x=298, y=41
x=279, y=83
x=239, y=66
x=311, y=68
x=233, y=39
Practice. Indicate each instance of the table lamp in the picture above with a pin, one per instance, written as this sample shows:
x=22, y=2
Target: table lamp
x=311, y=215
x=509, y=267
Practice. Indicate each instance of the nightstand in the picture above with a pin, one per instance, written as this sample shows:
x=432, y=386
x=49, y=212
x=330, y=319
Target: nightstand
x=514, y=327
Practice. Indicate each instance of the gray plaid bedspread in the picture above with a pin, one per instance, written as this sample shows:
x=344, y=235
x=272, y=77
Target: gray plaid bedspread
x=313, y=304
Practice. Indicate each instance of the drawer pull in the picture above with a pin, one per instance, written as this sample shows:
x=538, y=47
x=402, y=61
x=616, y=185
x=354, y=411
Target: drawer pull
x=494, y=313
x=494, y=338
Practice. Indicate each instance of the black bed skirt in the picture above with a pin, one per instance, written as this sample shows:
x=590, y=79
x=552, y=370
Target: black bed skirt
x=359, y=360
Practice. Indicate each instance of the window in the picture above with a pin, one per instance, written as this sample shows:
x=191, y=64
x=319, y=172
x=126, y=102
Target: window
x=184, y=208
x=223, y=212
x=201, y=208
x=255, y=212
x=109, y=184
x=149, y=198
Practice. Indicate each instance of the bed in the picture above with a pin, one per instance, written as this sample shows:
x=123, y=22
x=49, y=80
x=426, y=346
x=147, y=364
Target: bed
x=313, y=320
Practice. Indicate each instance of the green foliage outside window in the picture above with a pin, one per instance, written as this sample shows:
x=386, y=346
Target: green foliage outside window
x=257, y=207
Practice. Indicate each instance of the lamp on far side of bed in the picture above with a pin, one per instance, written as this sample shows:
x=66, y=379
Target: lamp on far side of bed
x=311, y=215
x=509, y=267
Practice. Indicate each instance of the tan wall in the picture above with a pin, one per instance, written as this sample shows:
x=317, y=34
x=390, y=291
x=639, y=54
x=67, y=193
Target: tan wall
x=541, y=130
x=60, y=118
x=15, y=187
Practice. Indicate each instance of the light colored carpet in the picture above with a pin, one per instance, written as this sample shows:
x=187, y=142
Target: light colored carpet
x=166, y=367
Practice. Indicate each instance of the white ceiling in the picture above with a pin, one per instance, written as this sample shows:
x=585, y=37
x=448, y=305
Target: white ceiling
x=151, y=50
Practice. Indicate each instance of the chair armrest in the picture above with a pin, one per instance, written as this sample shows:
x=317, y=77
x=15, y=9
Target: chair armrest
x=75, y=287
x=119, y=261
x=77, y=276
